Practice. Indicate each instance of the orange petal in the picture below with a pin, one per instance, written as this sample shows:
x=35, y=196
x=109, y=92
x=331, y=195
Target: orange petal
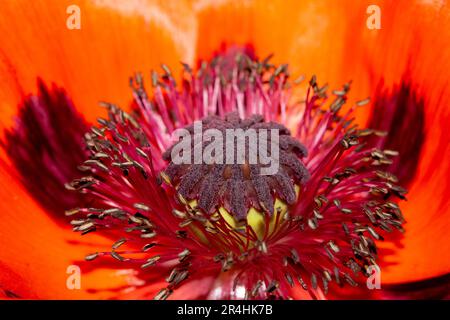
x=35, y=253
x=95, y=62
x=413, y=40
x=309, y=35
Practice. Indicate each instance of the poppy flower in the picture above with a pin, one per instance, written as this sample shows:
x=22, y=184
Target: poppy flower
x=362, y=178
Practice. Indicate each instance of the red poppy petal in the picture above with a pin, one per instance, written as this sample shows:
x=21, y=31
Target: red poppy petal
x=399, y=112
x=35, y=252
x=412, y=41
x=433, y=288
x=46, y=147
x=93, y=63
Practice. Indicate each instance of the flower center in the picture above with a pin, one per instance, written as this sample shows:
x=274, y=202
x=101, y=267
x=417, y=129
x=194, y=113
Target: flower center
x=236, y=166
x=238, y=205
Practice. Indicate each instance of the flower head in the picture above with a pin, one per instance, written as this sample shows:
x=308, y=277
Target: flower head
x=313, y=223
x=164, y=230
